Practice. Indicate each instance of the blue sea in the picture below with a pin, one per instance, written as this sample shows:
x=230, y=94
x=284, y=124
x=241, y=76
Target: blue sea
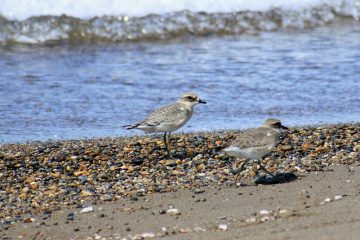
x=82, y=69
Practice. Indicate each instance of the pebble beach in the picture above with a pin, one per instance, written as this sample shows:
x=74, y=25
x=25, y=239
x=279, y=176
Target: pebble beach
x=43, y=177
x=74, y=72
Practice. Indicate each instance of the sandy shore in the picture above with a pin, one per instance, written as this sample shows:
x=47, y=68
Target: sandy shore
x=135, y=192
x=319, y=205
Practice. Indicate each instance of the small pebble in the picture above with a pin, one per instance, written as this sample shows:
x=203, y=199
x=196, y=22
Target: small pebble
x=70, y=216
x=283, y=212
x=173, y=211
x=148, y=235
x=87, y=209
x=223, y=227
x=337, y=197
x=264, y=212
x=29, y=220
x=199, y=229
x=251, y=220
x=198, y=191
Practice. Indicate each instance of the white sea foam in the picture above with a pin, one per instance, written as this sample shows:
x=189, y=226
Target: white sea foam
x=86, y=9
x=143, y=20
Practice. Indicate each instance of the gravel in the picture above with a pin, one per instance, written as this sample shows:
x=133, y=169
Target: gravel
x=40, y=177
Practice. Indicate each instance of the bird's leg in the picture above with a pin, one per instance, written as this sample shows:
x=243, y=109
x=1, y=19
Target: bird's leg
x=153, y=177
x=243, y=166
x=165, y=140
x=263, y=168
x=167, y=144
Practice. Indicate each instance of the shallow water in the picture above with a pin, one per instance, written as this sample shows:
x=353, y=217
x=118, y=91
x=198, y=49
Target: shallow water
x=307, y=76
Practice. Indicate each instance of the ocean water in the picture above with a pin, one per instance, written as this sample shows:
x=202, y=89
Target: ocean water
x=81, y=71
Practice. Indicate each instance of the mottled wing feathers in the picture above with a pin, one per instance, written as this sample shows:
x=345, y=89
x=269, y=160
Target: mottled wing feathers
x=170, y=113
x=260, y=137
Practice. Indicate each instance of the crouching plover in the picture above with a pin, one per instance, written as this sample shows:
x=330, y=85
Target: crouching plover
x=169, y=118
x=256, y=143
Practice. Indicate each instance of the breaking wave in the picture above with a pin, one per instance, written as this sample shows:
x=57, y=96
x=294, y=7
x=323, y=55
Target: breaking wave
x=147, y=21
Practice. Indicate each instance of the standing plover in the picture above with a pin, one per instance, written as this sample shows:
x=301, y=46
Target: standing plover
x=256, y=143
x=169, y=118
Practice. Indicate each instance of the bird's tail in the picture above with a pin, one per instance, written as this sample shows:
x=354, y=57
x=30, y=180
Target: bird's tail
x=131, y=126
x=220, y=149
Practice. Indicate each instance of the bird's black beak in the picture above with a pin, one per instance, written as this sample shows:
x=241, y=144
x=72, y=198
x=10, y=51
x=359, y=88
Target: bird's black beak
x=202, y=101
x=283, y=127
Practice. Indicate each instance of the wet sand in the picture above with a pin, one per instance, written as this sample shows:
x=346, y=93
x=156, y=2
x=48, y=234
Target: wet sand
x=319, y=205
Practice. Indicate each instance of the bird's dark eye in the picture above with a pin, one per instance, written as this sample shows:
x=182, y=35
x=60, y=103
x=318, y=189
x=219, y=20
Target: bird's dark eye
x=190, y=98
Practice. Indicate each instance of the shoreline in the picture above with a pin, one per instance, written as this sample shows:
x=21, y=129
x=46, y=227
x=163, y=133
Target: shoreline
x=140, y=134
x=42, y=177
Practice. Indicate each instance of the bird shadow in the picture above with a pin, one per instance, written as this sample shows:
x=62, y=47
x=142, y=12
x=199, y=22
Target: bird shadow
x=278, y=178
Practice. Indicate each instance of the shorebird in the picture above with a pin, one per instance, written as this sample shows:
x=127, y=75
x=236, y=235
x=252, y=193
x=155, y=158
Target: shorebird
x=169, y=118
x=256, y=143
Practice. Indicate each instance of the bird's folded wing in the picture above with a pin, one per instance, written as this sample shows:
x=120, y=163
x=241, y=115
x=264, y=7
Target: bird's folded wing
x=170, y=113
x=253, y=138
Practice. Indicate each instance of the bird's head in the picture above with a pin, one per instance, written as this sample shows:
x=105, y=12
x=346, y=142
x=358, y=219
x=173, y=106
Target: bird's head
x=274, y=124
x=191, y=99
